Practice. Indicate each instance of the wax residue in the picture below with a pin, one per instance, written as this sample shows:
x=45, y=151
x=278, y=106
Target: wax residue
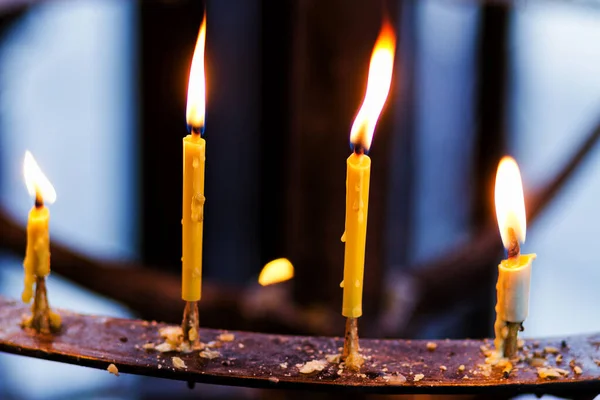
x=198, y=198
x=198, y=207
x=500, y=328
x=359, y=204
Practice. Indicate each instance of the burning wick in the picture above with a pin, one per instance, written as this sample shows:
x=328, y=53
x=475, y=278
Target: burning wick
x=39, y=201
x=197, y=131
x=514, y=250
x=358, y=149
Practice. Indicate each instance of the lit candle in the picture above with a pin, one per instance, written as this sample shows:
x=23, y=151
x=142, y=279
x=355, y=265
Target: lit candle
x=357, y=187
x=194, y=147
x=37, y=253
x=514, y=273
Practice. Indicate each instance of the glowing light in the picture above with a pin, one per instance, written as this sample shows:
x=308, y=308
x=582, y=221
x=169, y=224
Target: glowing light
x=276, y=271
x=37, y=183
x=378, y=87
x=196, y=101
x=510, y=202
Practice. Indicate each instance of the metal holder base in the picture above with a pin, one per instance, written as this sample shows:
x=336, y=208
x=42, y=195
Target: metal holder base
x=271, y=361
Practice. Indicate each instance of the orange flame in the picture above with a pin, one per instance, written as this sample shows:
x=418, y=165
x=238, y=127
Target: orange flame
x=510, y=202
x=196, y=101
x=378, y=87
x=37, y=183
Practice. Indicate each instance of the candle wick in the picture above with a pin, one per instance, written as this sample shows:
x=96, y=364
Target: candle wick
x=359, y=149
x=514, y=250
x=39, y=201
x=197, y=130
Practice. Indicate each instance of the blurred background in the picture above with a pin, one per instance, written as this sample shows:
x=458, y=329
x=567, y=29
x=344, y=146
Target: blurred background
x=96, y=90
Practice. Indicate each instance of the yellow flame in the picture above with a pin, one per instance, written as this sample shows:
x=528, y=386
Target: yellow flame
x=196, y=101
x=37, y=183
x=276, y=271
x=510, y=202
x=378, y=87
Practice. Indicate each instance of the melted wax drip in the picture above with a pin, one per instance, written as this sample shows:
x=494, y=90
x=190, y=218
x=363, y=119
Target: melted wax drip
x=198, y=198
x=359, y=204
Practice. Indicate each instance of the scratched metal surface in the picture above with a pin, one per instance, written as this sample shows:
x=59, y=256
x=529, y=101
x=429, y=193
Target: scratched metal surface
x=255, y=360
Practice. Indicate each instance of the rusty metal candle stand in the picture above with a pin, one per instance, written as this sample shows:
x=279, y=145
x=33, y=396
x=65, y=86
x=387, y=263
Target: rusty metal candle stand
x=275, y=361
x=271, y=361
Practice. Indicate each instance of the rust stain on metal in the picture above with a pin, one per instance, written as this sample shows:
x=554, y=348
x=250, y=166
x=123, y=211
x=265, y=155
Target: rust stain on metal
x=255, y=360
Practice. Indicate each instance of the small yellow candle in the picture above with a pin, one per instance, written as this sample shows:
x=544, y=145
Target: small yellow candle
x=194, y=157
x=514, y=273
x=359, y=170
x=37, y=253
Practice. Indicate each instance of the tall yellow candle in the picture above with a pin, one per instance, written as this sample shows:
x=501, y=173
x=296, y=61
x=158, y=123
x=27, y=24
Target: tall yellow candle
x=194, y=157
x=193, y=215
x=358, y=170
x=514, y=273
x=37, y=253
x=358, y=174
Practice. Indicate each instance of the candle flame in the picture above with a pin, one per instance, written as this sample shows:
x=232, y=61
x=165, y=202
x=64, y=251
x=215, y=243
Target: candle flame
x=510, y=202
x=276, y=271
x=378, y=87
x=196, y=101
x=37, y=183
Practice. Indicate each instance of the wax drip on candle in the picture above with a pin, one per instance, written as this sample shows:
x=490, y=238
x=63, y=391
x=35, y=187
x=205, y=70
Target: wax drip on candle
x=356, y=205
x=198, y=198
x=196, y=273
x=500, y=329
x=359, y=204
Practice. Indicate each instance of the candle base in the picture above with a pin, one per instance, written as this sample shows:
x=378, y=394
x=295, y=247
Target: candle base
x=511, y=342
x=351, y=353
x=43, y=319
x=191, y=324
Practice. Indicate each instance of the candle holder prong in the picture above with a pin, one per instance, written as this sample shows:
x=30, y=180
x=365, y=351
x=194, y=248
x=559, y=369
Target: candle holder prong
x=511, y=343
x=191, y=323
x=43, y=319
x=351, y=352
